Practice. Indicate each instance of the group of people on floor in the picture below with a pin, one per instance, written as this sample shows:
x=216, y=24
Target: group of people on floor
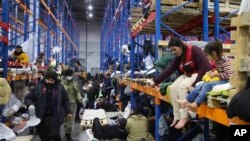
x=57, y=98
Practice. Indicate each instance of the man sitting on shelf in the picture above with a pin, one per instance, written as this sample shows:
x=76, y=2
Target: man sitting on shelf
x=19, y=56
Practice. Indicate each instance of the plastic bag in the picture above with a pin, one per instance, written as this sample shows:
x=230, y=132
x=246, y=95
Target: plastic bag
x=13, y=104
x=148, y=62
x=244, y=6
x=200, y=44
x=127, y=110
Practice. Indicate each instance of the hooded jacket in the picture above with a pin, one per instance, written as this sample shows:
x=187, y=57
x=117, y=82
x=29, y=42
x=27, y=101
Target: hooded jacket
x=60, y=101
x=23, y=57
x=73, y=91
x=137, y=128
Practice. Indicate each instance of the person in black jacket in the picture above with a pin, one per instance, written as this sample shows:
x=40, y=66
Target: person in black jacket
x=52, y=106
x=107, y=132
x=92, y=94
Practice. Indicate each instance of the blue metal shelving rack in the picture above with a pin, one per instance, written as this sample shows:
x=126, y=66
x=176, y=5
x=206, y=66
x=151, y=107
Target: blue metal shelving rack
x=51, y=21
x=136, y=35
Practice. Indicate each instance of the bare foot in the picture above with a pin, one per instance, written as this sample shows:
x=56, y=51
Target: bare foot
x=181, y=123
x=183, y=103
x=193, y=106
x=173, y=123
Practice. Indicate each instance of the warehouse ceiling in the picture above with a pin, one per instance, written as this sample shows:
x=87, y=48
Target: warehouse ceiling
x=81, y=11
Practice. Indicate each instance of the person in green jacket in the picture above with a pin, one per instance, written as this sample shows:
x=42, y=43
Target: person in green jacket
x=72, y=88
x=137, y=127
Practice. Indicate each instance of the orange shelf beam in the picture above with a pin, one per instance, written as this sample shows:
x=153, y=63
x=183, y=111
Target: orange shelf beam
x=215, y=114
x=26, y=9
x=218, y=115
x=146, y=89
x=58, y=24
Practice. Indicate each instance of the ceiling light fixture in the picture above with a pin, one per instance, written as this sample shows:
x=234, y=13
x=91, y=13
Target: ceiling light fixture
x=90, y=7
x=90, y=15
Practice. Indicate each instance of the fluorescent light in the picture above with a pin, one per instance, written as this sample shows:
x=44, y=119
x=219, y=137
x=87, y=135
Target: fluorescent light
x=140, y=3
x=90, y=15
x=90, y=7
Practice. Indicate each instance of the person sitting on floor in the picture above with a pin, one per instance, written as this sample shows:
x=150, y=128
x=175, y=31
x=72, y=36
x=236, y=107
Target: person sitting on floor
x=137, y=126
x=107, y=132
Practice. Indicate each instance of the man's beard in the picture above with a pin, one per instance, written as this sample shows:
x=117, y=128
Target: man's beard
x=49, y=85
x=17, y=53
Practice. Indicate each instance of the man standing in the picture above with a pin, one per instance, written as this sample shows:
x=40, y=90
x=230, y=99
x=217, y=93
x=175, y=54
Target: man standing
x=72, y=88
x=52, y=106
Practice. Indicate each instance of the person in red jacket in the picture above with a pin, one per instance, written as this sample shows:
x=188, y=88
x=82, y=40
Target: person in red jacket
x=192, y=63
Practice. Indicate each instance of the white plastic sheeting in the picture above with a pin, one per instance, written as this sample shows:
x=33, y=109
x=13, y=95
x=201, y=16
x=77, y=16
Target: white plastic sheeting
x=244, y=6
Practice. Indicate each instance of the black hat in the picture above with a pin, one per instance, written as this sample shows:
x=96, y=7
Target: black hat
x=51, y=75
x=18, y=46
x=122, y=122
x=68, y=72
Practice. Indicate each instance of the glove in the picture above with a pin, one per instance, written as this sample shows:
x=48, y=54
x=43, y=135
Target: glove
x=150, y=82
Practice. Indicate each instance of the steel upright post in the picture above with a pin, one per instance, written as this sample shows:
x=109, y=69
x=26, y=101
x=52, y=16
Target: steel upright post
x=157, y=38
x=5, y=14
x=217, y=19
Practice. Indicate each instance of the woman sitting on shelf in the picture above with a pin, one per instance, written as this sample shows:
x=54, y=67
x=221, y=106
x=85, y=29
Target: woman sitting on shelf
x=214, y=52
x=193, y=64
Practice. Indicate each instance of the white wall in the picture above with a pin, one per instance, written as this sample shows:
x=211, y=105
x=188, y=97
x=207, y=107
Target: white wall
x=90, y=33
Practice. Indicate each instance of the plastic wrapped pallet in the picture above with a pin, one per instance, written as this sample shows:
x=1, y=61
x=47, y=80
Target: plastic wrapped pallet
x=89, y=115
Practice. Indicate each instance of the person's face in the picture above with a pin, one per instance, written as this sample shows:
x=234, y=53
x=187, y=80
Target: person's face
x=211, y=57
x=50, y=81
x=176, y=50
x=18, y=50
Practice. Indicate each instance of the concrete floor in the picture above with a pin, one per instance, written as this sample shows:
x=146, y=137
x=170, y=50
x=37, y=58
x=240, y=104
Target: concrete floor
x=75, y=133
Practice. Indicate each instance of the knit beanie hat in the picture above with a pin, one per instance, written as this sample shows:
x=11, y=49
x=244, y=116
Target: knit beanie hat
x=51, y=75
x=5, y=91
x=122, y=122
x=68, y=72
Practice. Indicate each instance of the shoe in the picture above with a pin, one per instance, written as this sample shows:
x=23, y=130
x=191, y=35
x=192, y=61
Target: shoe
x=68, y=136
x=77, y=120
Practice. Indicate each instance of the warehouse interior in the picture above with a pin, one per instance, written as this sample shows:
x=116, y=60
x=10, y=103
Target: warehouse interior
x=124, y=70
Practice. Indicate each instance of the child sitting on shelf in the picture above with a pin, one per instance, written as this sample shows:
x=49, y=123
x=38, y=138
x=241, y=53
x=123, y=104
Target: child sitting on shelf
x=214, y=52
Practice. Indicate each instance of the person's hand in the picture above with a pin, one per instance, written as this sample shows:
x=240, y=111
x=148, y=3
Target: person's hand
x=10, y=112
x=214, y=74
x=150, y=82
x=69, y=117
x=190, y=88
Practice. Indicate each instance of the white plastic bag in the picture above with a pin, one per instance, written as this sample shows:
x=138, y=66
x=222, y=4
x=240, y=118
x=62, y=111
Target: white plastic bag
x=127, y=110
x=13, y=105
x=244, y=6
x=148, y=62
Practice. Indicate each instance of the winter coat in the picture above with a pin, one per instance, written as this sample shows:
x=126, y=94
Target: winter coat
x=60, y=102
x=108, y=132
x=93, y=92
x=73, y=91
x=137, y=128
x=23, y=58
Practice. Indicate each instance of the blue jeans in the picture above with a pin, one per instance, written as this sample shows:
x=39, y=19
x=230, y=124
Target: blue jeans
x=199, y=94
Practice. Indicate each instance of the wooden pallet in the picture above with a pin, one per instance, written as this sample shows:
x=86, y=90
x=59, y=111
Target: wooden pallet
x=240, y=50
x=215, y=102
x=179, y=2
x=225, y=6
